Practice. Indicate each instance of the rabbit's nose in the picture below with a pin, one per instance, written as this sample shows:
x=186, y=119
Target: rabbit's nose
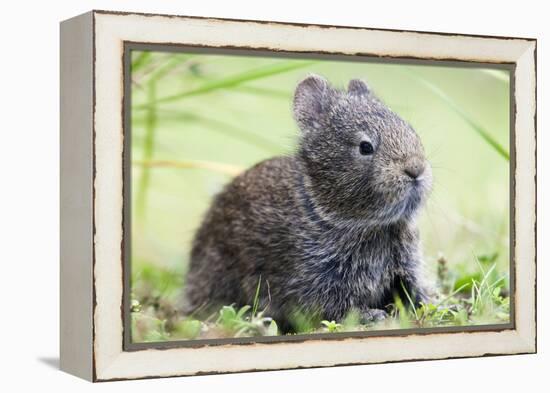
x=415, y=169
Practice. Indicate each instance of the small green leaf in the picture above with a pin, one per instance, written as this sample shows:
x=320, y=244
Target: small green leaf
x=242, y=311
x=228, y=316
x=189, y=329
x=331, y=326
x=273, y=329
x=135, y=306
x=496, y=292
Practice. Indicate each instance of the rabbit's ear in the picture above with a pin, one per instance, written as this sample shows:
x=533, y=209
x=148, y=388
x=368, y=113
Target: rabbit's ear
x=358, y=87
x=311, y=100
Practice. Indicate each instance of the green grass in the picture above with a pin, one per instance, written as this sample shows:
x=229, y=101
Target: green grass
x=231, y=81
x=482, y=132
x=198, y=120
x=481, y=299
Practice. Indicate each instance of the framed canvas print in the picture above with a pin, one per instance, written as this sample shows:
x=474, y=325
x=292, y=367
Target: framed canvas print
x=245, y=195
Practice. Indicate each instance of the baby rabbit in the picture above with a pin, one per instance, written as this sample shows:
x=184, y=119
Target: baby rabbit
x=326, y=231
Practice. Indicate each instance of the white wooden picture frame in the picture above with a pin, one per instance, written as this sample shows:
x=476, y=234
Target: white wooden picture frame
x=92, y=190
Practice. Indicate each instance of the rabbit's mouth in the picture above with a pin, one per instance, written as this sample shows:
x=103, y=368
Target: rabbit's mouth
x=416, y=193
x=418, y=181
x=419, y=186
x=405, y=208
x=414, y=199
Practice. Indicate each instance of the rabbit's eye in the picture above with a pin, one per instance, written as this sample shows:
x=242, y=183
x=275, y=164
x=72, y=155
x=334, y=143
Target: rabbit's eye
x=366, y=148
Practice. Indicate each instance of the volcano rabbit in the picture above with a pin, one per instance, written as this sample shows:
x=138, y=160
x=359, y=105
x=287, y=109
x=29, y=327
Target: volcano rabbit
x=325, y=231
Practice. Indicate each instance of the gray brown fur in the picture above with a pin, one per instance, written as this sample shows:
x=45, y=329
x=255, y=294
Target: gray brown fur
x=326, y=230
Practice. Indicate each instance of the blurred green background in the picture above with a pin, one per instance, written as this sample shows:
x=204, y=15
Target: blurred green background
x=198, y=119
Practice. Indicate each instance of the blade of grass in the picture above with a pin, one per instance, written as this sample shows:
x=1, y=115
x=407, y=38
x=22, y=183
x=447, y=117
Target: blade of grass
x=477, y=297
x=155, y=61
x=481, y=131
x=496, y=282
x=168, y=66
x=500, y=75
x=486, y=275
x=284, y=94
x=479, y=265
x=148, y=149
x=241, y=134
x=410, y=300
x=226, y=169
x=473, y=294
x=220, y=126
x=140, y=60
x=256, y=298
x=451, y=294
x=235, y=80
x=403, y=321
